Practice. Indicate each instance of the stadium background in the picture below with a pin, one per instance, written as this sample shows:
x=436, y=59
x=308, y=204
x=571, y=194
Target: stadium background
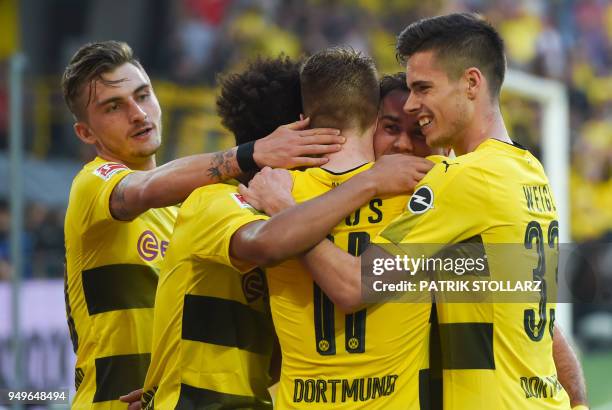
x=185, y=44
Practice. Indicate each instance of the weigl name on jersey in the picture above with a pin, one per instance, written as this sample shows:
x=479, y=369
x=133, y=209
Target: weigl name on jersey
x=538, y=198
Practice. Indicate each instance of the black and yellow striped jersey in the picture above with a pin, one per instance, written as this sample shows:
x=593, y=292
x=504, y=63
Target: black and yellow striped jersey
x=110, y=283
x=213, y=334
x=371, y=359
x=494, y=355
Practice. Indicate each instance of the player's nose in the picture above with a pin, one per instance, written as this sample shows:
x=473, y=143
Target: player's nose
x=403, y=144
x=136, y=112
x=412, y=105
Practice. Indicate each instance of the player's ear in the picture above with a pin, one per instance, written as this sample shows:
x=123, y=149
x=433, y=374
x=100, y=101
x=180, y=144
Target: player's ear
x=82, y=130
x=474, y=81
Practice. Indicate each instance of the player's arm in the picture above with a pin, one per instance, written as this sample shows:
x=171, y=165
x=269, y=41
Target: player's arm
x=265, y=243
x=569, y=371
x=297, y=229
x=337, y=272
x=287, y=147
x=293, y=230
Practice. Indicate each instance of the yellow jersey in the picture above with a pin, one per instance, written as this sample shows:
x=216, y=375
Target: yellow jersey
x=374, y=358
x=212, y=330
x=494, y=355
x=110, y=283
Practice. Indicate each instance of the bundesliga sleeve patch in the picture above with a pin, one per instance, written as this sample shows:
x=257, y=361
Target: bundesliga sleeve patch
x=107, y=170
x=421, y=201
x=239, y=199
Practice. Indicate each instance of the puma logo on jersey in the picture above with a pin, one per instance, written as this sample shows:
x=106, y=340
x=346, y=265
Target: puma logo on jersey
x=448, y=164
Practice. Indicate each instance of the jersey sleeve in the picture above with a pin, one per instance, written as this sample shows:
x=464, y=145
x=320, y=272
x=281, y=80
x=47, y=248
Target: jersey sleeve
x=221, y=213
x=448, y=206
x=94, y=189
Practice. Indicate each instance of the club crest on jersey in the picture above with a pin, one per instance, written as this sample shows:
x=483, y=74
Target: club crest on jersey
x=421, y=201
x=106, y=171
x=239, y=199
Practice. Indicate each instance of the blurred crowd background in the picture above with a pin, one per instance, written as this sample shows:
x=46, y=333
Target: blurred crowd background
x=185, y=44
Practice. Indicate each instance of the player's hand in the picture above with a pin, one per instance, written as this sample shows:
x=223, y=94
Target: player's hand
x=292, y=146
x=398, y=173
x=269, y=191
x=133, y=399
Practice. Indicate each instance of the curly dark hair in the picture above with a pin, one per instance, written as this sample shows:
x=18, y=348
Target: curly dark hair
x=266, y=95
x=392, y=82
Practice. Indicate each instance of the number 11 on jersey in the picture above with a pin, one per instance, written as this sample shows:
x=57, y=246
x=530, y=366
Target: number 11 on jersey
x=324, y=311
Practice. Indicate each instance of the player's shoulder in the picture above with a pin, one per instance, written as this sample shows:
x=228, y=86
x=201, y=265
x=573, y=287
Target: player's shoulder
x=304, y=176
x=490, y=154
x=497, y=154
x=96, y=176
x=326, y=175
x=496, y=159
x=449, y=180
x=211, y=193
x=91, y=187
x=217, y=189
x=447, y=171
x=97, y=172
x=222, y=197
x=101, y=169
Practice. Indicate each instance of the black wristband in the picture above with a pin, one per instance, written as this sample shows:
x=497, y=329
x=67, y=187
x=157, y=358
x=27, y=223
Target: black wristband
x=244, y=157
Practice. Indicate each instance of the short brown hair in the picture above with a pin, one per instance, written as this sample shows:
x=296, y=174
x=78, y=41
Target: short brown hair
x=340, y=89
x=88, y=64
x=460, y=41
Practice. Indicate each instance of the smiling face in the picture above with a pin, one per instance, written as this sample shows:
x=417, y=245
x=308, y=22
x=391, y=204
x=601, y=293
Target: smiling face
x=439, y=103
x=398, y=132
x=123, y=117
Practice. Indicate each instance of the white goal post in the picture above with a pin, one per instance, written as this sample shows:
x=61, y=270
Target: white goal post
x=555, y=140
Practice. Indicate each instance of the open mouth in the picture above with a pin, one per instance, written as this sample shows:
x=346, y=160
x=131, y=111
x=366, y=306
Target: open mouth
x=143, y=132
x=425, y=121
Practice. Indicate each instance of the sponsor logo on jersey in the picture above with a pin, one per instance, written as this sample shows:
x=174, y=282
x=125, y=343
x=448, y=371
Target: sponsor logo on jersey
x=421, y=201
x=536, y=387
x=254, y=285
x=106, y=171
x=149, y=247
x=343, y=390
x=239, y=199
